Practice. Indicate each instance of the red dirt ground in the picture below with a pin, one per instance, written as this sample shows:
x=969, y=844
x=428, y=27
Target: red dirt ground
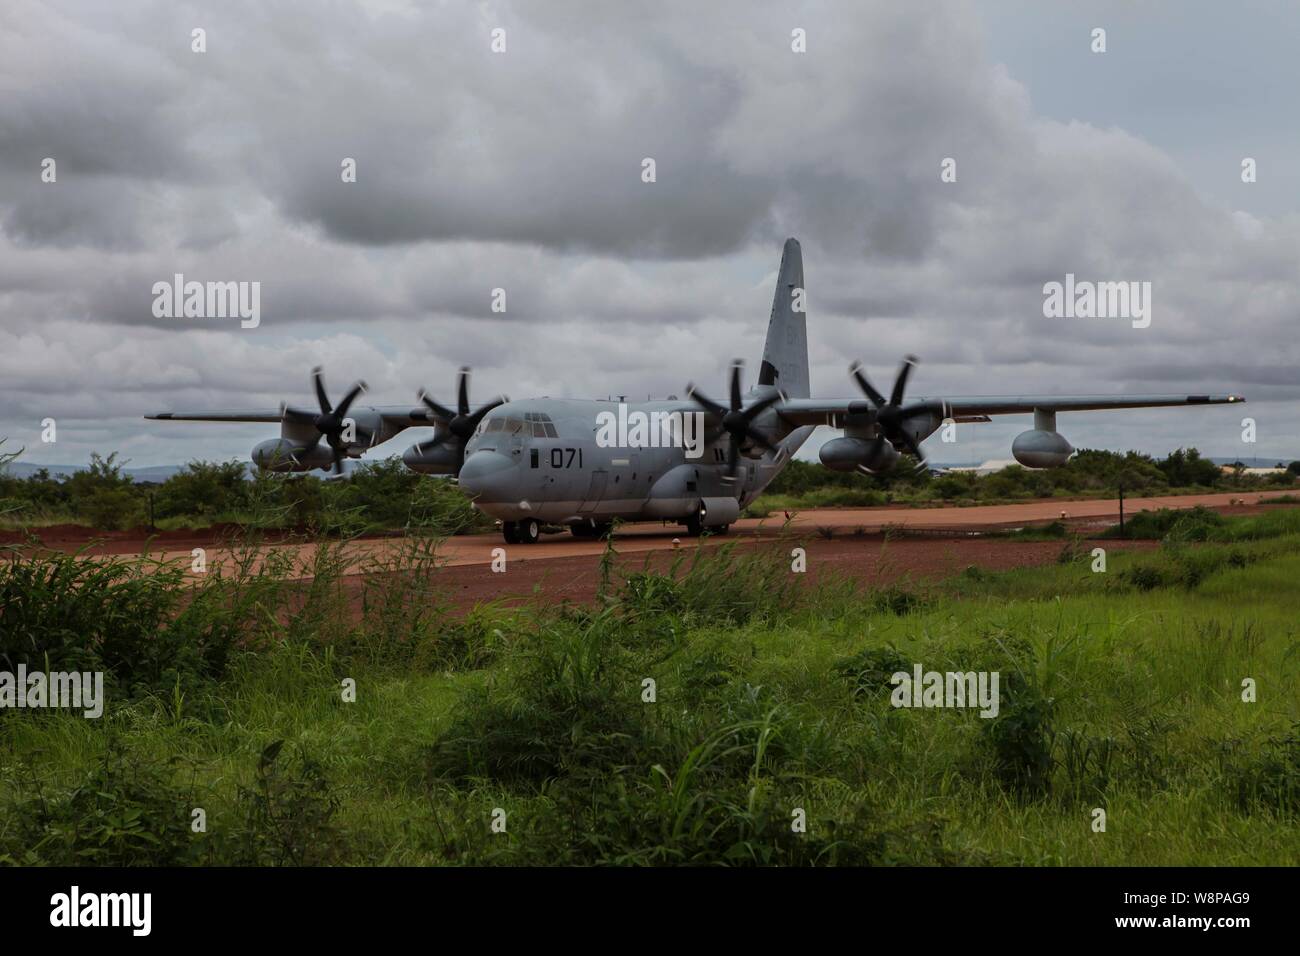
x=1084, y=513
x=869, y=560
x=924, y=544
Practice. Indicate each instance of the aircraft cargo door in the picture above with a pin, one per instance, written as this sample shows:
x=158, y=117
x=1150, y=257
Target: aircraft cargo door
x=595, y=491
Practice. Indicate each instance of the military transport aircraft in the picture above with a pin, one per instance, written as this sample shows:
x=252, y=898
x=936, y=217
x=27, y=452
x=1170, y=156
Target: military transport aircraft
x=543, y=464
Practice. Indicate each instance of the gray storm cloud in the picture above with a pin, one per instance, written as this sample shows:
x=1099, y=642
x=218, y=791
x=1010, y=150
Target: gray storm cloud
x=522, y=171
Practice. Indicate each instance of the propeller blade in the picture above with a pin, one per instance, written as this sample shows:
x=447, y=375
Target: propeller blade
x=706, y=403
x=289, y=413
x=478, y=415
x=736, y=366
x=348, y=399
x=900, y=383
x=914, y=447
x=924, y=408
x=877, y=446
x=761, y=406
x=462, y=391
x=867, y=389
x=440, y=411
x=336, y=452
x=318, y=379
x=733, y=459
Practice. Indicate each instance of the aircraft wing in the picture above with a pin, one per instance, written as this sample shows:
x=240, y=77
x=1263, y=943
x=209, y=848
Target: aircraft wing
x=829, y=411
x=396, y=414
x=218, y=416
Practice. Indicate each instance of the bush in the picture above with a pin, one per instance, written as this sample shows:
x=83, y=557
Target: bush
x=112, y=615
x=870, y=671
x=203, y=489
x=1194, y=524
x=288, y=813
x=125, y=811
x=112, y=509
x=1268, y=780
x=1021, y=736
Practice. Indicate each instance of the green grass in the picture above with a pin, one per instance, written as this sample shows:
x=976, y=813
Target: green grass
x=925, y=497
x=1120, y=690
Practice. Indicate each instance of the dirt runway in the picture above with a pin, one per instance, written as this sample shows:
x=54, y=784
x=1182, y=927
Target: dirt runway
x=876, y=545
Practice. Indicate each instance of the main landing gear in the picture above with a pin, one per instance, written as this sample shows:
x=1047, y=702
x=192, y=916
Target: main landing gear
x=695, y=526
x=527, y=531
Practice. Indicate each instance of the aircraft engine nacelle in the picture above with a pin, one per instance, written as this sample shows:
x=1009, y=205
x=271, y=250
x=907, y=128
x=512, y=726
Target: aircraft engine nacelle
x=848, y=454
x=282, y=455
x=1039, y=448
x=441, y=460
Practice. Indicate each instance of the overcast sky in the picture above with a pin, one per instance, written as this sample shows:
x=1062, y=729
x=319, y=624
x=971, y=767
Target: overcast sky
x=522, y=170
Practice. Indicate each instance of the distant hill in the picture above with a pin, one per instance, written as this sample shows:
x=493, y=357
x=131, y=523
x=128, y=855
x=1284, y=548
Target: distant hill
x=1253, y=462
x=20, y=469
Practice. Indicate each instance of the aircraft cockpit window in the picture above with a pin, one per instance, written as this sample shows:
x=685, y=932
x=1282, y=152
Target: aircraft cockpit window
x=534, y=424
x=496, y=425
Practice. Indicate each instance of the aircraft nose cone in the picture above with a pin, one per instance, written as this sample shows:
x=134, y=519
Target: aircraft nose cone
x=487, y=476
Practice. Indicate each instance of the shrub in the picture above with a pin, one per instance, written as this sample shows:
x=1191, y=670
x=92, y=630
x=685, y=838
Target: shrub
x=1021, y=736
x=870, y=671
x=119, y=616
x=288, y=813
x=125, y=811
x=203, y=489
x=1158, y=524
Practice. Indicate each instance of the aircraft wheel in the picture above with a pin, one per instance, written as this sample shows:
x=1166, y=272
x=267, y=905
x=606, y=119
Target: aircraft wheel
x=510, y=531
x=695, y=525
x=529, y=531
x=721, y=529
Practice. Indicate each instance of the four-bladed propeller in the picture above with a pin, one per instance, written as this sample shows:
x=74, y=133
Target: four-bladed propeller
x=891, y=416
x=331, y=422
x=461, y=423
x=736, y=420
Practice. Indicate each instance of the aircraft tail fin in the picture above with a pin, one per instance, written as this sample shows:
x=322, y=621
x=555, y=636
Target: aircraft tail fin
x=785, y=353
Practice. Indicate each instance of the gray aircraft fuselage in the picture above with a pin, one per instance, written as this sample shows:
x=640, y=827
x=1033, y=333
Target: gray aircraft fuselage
x=516, y=469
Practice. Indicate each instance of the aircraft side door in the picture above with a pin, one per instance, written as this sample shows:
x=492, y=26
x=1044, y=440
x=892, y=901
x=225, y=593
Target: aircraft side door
x=595, y=491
